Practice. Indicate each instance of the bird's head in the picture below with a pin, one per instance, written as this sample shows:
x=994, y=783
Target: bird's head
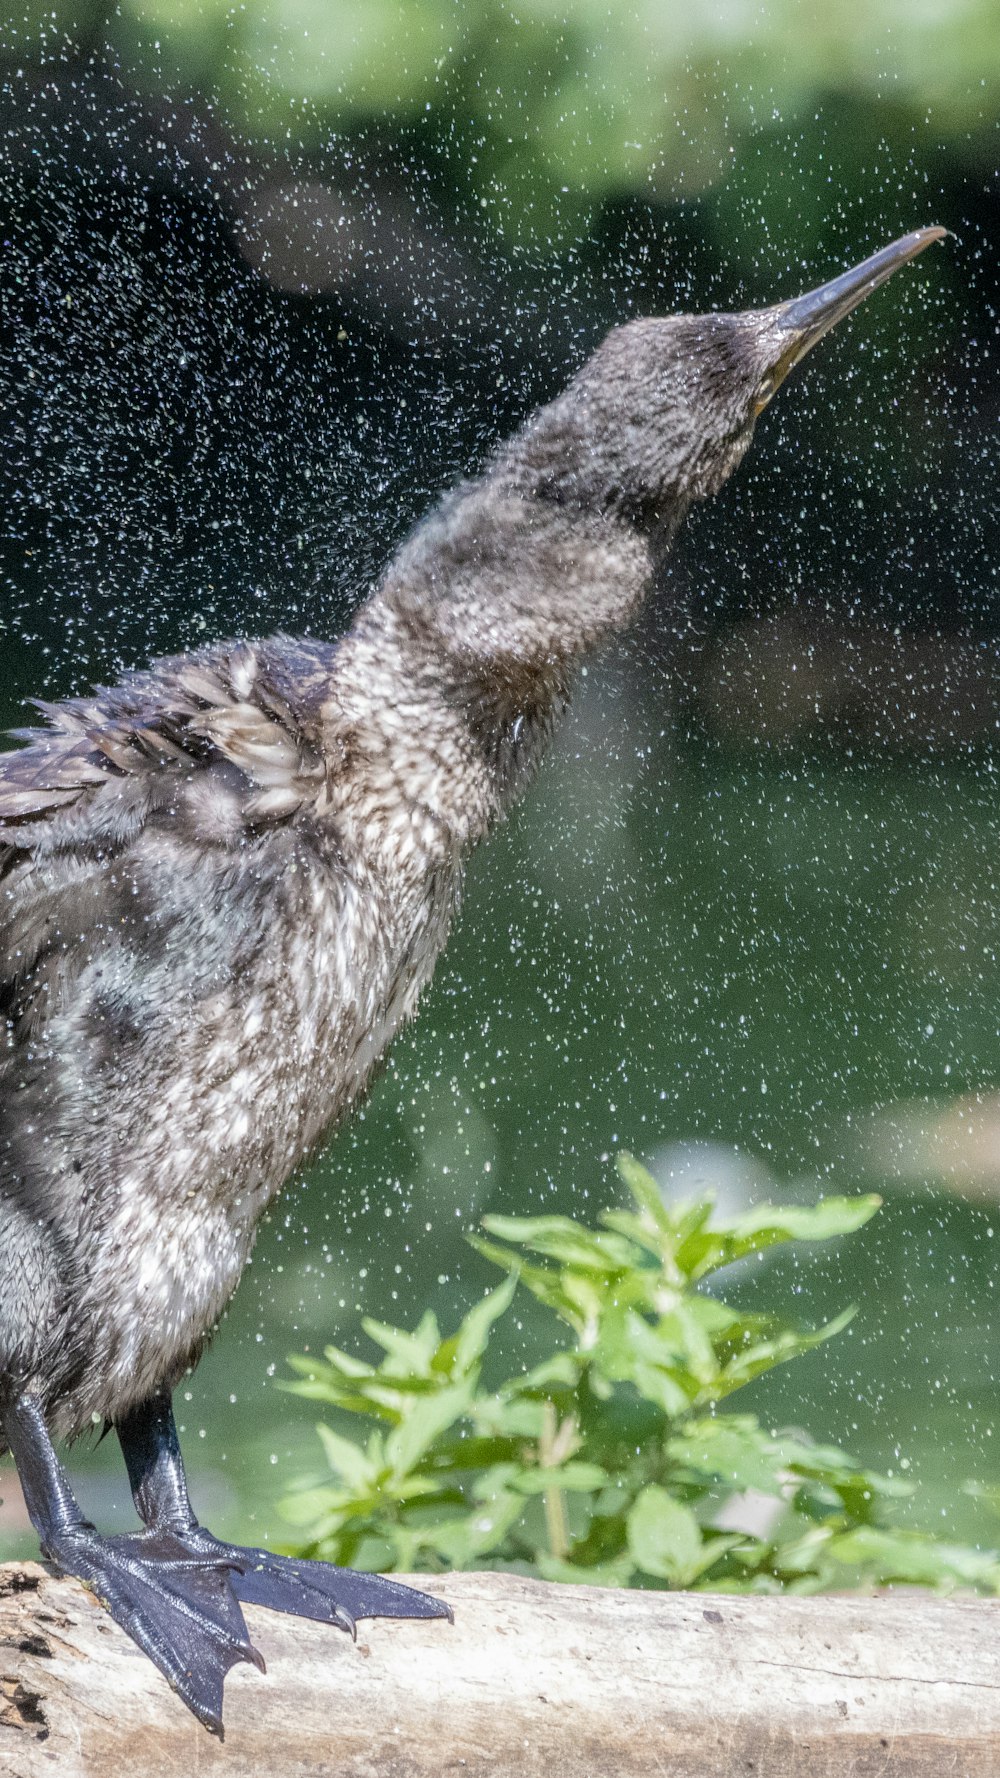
x=664, y=410
x=520, y=573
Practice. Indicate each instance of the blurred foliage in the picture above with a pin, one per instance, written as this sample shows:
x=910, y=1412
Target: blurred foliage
x=607, y=1462
x=541, y=112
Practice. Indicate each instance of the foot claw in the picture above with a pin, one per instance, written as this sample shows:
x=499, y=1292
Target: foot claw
x=316, y=1589
x=177, y=1593
x=177, y=1604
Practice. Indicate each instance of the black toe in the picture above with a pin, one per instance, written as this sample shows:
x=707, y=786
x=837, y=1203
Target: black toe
x=317, y=1589
x=309, y=1589
x=177, y=1604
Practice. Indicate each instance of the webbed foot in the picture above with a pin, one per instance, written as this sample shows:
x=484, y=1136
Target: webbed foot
x=177, y=1603
x=313, y=1589
x=338, y=1596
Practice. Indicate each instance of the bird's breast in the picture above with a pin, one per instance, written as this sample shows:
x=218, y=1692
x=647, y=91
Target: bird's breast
x=227, y=1080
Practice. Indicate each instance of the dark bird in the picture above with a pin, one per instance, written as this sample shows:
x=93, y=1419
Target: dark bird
x=224, y=883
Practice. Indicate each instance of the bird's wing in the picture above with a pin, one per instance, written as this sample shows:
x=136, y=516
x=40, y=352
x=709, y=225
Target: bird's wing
x=149, y=843
x=93, y=774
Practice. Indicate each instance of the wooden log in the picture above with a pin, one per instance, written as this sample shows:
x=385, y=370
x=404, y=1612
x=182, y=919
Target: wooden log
x=531, y=1681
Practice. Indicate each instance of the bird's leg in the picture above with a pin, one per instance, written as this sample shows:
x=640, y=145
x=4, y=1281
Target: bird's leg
x=177, y=1603
x=152, y=1452
x=259, y=1577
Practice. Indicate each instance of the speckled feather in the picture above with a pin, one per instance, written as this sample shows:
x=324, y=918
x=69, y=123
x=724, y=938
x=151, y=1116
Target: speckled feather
x=225, y=881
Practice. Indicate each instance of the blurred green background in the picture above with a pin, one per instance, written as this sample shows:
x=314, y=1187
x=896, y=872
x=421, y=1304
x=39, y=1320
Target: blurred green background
x=275, y=273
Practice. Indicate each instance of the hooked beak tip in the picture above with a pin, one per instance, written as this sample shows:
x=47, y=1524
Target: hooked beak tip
x=804, y=321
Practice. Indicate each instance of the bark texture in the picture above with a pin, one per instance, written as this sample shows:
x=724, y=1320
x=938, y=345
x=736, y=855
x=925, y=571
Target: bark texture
x=532, y=1681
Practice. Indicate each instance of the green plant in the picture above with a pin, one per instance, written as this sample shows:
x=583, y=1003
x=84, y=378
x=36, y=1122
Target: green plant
x=608, y=1462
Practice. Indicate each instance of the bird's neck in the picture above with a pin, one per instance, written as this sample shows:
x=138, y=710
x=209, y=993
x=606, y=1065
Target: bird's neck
x=432, y=753
x=454, y=673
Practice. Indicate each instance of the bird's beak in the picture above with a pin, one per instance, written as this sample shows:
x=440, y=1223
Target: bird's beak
x=800, y=323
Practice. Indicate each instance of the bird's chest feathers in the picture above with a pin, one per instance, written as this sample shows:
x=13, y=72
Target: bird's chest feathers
x=278, y=1064
x=349, y=973
x=372, y=960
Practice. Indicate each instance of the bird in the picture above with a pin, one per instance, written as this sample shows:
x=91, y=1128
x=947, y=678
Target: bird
x=224, y=883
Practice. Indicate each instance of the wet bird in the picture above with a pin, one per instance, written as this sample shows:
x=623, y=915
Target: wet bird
x=224, y=883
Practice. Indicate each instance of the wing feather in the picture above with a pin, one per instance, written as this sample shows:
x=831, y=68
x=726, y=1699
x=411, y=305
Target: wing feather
x=254, y=706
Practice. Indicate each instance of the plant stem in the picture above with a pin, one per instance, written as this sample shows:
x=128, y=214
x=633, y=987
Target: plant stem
x=555, y=1507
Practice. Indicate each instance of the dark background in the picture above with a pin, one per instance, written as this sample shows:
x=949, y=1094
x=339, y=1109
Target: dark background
x=274, y=275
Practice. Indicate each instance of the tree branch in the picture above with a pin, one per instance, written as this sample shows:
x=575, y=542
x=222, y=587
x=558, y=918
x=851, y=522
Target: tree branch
x=532, y=1681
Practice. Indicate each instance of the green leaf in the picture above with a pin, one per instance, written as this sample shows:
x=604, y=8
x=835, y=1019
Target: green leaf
x=907, y=1556
x=987, y=1492
x=463, y=1540
x=355, y=1467
x=617, y=1573
x=345, y=1362
x=664, y=1537
x=730, y=1448
x=320, y=1507
x=475, y=1453
x=805, y=1222
x=424, y=1423
x=543, y=1282
x=646, y=1193
x=581, y=1478
x=762, y=1355
x=408, y=1353
x=469, y=1344
x=334, y=1360
x=553, y=1375
x=562, y=1239
x=653, y=1358
x=459, y=1475
x=768, y=1225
